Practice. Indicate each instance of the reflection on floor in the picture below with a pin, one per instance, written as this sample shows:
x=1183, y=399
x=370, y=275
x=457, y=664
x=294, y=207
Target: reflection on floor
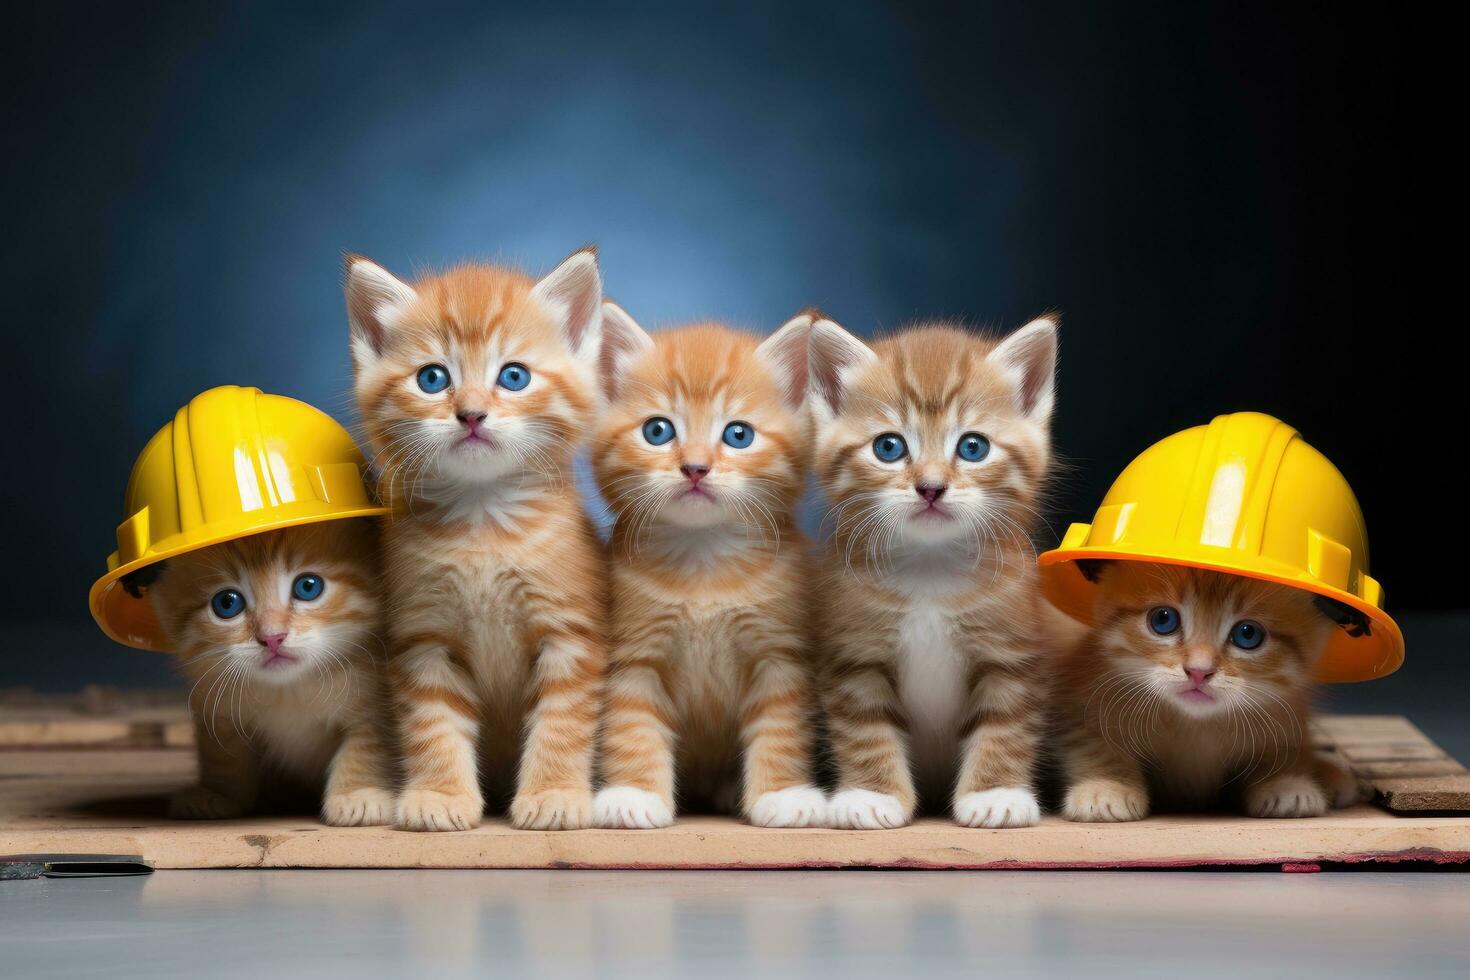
x=849, y=924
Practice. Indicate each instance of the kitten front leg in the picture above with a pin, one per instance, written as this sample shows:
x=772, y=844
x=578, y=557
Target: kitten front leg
x=1292, y=792
x=359, y=789
x=875, y=790
x=775, y=726
x=637, y=746
x=554, y=783
x=998, y=747
x=1342, y=786
x=439, y=720
x=229, y=774
x=1104, y=785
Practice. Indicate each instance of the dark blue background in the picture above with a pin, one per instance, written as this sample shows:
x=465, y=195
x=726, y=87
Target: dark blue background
x=1208, y=192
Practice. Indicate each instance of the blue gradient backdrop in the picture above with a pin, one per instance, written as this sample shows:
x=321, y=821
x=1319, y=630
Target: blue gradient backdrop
x=1174, y=178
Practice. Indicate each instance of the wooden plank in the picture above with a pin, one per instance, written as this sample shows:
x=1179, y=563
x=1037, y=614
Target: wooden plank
x=1407, y=772
x=1362, y=834
x=1374, y=773
x=1439, y=793
x=1393, y=752
x=95, y=717
x=1351, y=729
x=18, y=731
x=112, y=801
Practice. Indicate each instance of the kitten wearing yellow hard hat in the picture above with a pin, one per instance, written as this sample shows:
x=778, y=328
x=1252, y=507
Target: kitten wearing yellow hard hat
x=1224, y=574
x=249, y=552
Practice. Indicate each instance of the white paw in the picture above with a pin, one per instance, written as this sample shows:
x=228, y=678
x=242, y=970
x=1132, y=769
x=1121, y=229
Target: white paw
x=1007, y=806
x=863, y=809
x=626, y=808
x=1286, y=796
x=795, y=806
x=426, y=809
x=552, y=809
x=203, y=803
x=366, y=807
x=1105, y=801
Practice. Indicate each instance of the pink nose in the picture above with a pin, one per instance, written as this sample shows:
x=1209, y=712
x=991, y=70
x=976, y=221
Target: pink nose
x=695, y=472
x=272, y=642
x=1199, y=676
x=931, y=492
x=471, y=419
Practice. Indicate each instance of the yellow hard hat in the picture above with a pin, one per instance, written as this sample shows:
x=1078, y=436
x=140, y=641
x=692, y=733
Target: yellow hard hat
x=233, y=462
x=1244, y=495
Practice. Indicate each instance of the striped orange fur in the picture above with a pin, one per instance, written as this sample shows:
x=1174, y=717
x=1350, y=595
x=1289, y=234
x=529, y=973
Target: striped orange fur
x=709, y=694
x=1175, y=715
x=932, y=620
x=495, y=577
x=285, y=689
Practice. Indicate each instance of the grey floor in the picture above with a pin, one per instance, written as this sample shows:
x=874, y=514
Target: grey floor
x=719, y=924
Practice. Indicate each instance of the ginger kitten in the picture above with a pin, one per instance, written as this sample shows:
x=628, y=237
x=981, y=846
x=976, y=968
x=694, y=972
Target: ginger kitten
x=932, y=449
x=280, y=634
x=1193, y=689
x=701, y=458
x=476, y=387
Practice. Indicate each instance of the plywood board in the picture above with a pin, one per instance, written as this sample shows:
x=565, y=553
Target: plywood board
x=1407, y=771
x=112, y=801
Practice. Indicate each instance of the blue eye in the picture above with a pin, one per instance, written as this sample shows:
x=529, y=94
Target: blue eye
x=973, y=447
x=308, y=587
x=1247, y=634
x=227, y=604
x=658, y=431
x=1163, y=620
x=514, y=377
x=433, y=378
x=890, y=447
x=738, y=435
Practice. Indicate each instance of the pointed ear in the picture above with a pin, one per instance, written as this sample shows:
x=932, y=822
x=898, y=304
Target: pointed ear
x=572, y=294
x=1029, y=356
x=784, y=353
x=374, y=298
x=834, y=358
x=623, y=342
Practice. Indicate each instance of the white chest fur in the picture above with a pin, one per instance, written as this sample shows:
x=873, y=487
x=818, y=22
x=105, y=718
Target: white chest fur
x=931, y=686
x=298, y=739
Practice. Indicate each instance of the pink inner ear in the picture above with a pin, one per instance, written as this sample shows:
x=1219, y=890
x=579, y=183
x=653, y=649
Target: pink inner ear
x=1035, y=359
x=582, y=308
x=364, y=314
x=789, y=362
x=364, y=300
x=618, y=349
x=1033, y=381
x=576, y=287
x=830, y=357
x=794, y=365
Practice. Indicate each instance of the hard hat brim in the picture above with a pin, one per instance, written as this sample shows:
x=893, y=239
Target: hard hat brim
x=1346, y=659
x=131, y=621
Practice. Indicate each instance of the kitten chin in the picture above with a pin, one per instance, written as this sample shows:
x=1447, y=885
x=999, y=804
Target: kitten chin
x=1192, y=691
x=279, y=633
x=932, y=449
x=700, y=457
